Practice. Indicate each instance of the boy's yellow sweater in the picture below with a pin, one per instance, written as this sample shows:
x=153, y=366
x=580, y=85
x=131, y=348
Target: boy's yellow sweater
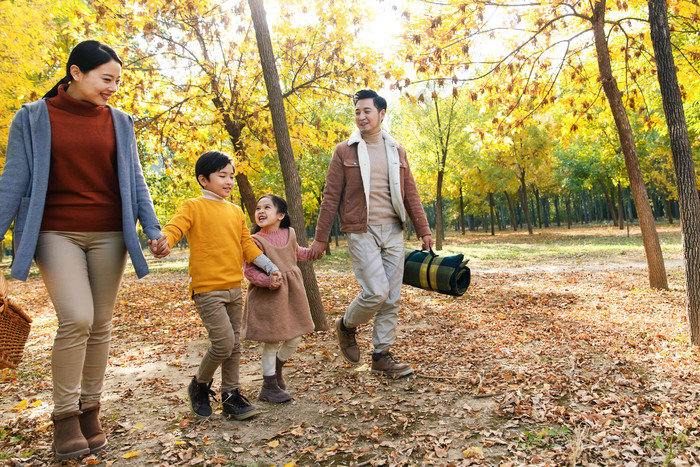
x=219, y=241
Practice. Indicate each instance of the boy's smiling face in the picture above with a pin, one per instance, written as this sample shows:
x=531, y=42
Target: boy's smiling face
x=220, y=182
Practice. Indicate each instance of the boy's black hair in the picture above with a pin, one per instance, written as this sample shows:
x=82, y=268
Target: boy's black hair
x=281, y=206
x=210, y=162
x=379, y=101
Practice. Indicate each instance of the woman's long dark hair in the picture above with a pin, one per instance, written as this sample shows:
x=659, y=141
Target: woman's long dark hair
x=281, y=206
x=87, y=56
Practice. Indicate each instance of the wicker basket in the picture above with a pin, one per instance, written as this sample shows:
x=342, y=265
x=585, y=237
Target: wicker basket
x=14, y=328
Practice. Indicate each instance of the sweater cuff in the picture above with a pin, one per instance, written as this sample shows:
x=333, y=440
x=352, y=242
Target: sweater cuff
x=264, y=263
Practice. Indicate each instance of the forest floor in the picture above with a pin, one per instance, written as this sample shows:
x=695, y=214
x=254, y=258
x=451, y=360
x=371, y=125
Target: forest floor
x=558, y=354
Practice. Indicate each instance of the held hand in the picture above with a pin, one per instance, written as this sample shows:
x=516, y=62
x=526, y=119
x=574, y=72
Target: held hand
x=159, y=247
x=427, y=242
x=318, y=248
x=275, y=280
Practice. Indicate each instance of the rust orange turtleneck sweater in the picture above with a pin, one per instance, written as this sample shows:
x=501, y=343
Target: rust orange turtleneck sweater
x=83, y=192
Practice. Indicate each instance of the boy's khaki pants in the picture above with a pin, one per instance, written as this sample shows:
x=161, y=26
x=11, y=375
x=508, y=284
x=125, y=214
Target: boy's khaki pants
x=221, y=312
x=82, y=272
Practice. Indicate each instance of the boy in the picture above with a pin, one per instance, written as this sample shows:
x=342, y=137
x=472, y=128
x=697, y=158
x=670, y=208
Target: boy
x=219, y=241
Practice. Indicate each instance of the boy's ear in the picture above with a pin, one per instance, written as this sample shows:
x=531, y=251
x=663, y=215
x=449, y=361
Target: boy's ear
x=202, y=180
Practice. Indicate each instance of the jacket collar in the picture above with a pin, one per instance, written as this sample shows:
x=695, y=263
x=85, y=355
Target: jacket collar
x=356, y=137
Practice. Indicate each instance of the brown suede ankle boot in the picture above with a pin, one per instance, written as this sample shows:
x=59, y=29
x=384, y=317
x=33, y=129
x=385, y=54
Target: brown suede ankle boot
x=271, y=392
x=278, y=373
x=68, y=440
x=91, y=427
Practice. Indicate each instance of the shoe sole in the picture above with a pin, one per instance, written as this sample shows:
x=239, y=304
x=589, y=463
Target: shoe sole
x=345, y=357
x=70, y=455
x=97, y=449
x=243, y=416
x=410, y=371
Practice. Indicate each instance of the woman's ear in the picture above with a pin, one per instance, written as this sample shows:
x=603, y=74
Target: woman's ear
x=75, y=73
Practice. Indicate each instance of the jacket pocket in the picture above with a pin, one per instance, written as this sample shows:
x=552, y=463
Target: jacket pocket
x=353, y=176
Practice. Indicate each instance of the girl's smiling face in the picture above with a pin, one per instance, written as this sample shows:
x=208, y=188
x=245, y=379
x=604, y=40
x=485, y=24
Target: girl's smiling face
x=267, y=217
x=97, y=85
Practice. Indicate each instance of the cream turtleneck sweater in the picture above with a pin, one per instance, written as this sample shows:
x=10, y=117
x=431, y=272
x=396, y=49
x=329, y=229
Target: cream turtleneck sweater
x=381, y=211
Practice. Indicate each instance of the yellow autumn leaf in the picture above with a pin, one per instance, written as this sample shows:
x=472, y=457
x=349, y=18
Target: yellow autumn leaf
x=22, y=405
x=131, y=454
x=473, y=452
x=274, y=443
x=290, y=464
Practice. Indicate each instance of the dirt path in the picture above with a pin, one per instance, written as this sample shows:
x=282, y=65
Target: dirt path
x=534, y=365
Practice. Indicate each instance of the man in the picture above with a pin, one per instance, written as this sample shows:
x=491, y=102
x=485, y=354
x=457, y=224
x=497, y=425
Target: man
x=370, y=185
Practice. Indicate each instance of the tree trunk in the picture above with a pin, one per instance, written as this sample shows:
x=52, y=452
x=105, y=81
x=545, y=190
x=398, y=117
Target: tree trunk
x=568, y=212
x=537, y=205
x=523, y=201
x=461, y=209
x=439, y=228
x=620, y=208
x=493, y=232
x=669, y=211
x=290, y=174
x=688, y=199
x=513, y=221
x=650, y=238
x=336, y=228
x=556, y=210
x=611, y=205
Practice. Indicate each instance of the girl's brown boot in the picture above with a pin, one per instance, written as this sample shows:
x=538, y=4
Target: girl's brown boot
x=68, y=440
x=91, y=427
x=279, y=364
x=271, y=392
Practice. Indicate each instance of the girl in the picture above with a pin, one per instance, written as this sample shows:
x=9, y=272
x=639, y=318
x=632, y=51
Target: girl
x=73, y=184
x=276, y=313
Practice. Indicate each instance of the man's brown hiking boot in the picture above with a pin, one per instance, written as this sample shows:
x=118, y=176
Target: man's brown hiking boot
x=347, y=343
x=385, y=363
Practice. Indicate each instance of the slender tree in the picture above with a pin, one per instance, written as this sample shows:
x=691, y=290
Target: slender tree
x=688, y=198
x=650, y=238
x=292, y=181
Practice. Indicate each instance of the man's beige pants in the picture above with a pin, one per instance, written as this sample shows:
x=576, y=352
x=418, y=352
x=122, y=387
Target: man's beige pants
x=82, y=272
x=378, y=260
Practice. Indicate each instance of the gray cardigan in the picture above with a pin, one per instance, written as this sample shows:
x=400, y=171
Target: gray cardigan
x=25, y=179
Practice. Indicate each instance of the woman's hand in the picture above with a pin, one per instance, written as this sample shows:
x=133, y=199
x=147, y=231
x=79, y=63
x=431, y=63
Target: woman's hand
x=159, y=248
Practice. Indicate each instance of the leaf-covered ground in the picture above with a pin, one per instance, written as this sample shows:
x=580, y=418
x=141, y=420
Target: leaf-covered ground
x=558, y=354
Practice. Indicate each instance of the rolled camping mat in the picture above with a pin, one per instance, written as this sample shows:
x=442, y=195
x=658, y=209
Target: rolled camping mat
x=444, y=274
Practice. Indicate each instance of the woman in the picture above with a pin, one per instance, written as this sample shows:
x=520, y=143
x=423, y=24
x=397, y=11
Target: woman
x=74, y=186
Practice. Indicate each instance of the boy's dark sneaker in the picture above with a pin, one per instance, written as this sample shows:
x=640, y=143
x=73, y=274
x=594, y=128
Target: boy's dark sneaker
x=236, y=406
x=199, y=398
x=385, y=363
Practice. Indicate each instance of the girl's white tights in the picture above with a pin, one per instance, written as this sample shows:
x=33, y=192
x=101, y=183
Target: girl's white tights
x=273, y=350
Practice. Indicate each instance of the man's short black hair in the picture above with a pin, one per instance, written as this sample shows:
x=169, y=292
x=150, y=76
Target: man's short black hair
x=210, y=162
x=379, y=101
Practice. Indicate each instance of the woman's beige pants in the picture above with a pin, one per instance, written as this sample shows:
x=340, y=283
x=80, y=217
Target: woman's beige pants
x=82, y=272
